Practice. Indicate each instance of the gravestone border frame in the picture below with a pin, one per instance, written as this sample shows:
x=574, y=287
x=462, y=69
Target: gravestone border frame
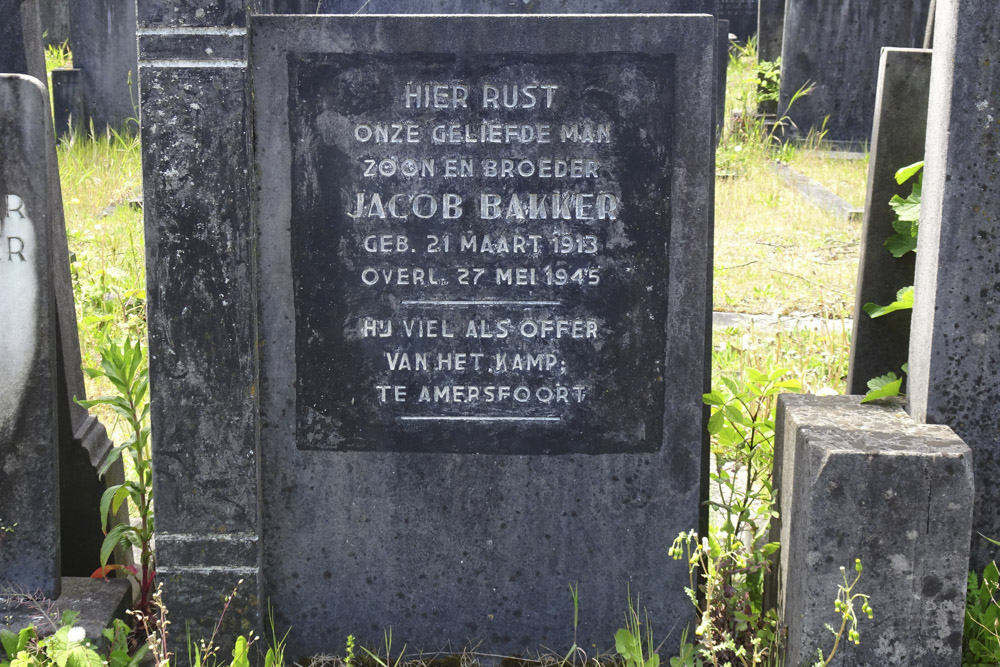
x=202, y=241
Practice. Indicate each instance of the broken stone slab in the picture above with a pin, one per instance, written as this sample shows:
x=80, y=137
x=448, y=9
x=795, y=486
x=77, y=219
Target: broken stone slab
x=98, y=601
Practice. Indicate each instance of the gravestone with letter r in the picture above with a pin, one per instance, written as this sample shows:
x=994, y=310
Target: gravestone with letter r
x=31, y=469
x=450, y=360
x=29, y=453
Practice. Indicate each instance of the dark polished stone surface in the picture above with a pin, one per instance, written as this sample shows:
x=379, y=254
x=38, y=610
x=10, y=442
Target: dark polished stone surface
x=509, y=295
x=449, y=548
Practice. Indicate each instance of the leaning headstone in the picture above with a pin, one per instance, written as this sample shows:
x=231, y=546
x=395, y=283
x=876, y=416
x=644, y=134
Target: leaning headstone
x=835, y=44
x=880, y=345
x=866, y=482
x=29, y=453
x=954, y=349
x=527, y=323
x=103, y=41
x=83, y=442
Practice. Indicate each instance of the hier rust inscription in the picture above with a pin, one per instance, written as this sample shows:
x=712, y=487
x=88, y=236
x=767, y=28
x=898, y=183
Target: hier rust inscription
x=479, y=251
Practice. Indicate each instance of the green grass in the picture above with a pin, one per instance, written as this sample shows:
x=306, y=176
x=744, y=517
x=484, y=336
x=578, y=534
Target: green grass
x=101, y=180
x=775, y=252
x=845, y=178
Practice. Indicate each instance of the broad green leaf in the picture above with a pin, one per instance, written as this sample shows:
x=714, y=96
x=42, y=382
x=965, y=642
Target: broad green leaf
x=883, y=386
x=715, y=421
x=907, y=208
x=898, y=245
x=116, y=535
x=904, y=301
x=906, y=173
x=713, y=398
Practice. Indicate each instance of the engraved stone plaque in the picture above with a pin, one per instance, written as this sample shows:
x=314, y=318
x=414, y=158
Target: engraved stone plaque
x=479, y=251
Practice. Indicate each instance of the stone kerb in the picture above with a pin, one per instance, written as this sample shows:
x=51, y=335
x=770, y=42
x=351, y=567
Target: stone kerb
x=866, y=481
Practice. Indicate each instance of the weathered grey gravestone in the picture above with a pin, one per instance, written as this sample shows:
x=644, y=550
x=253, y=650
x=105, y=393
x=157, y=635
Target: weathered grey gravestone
x=866, y=481
x=103, y=40
x=29, y=453
x=954, y=348
x=836, y=44
x=83, y=442
x=770, y=24
x=54, y=16
x=881, y=345
x=483, y=291
x=742, y=17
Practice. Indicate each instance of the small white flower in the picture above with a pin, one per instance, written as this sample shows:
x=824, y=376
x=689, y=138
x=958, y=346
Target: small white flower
x=77, y=635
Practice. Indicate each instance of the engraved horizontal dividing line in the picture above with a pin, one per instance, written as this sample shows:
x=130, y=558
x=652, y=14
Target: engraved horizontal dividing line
x=208, y=537
x=182, y=30
x=184, y=63
x=483, y=419
x=205, y=569
x=481, y=303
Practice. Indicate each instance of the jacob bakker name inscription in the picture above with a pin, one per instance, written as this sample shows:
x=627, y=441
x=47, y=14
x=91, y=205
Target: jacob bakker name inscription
x=479, y=251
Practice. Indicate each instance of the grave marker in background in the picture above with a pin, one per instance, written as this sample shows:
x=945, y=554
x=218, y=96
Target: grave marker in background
x=836, y=44
x=103, y=41
x=881, y=345
x=770, y=24
x=31, y=454
x=954, y=345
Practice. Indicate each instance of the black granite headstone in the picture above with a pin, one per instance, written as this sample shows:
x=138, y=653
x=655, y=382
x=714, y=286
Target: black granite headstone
x=29, y=475
x=484, y=247
x=431, y=527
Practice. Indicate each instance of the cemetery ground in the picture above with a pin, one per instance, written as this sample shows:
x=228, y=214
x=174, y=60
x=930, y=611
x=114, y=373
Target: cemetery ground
x=787, y=262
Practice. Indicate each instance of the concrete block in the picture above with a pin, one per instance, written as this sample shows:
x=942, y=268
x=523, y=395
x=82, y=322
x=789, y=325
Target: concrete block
x=866, y=481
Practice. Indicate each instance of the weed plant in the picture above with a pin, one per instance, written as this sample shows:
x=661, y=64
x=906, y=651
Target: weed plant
x=816, y=356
